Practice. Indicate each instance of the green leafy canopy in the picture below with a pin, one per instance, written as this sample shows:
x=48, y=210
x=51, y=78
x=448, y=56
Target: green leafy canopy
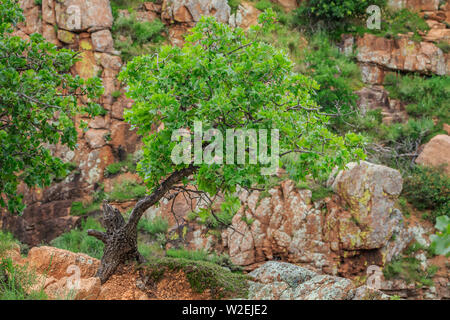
x=227, y=78
x=38, y=102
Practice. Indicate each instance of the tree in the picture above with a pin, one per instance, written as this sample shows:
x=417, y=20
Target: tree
x=225, y=79
x=38, y=102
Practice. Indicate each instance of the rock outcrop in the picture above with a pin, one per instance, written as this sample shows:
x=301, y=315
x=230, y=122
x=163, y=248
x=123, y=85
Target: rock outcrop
x=376, y=97
x=284, y=281
x=401, y=54
x=378, y=55
x=370, y=191
x=436, y=153
x=344, y=234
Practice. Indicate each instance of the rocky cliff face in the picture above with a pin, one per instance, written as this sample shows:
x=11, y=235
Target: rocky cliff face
x=338, y=235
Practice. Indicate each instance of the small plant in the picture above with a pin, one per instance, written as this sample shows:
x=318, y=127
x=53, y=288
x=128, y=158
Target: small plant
x=113, y=168
x=234, y=4
x=127, y=190
x=425, y=97
x=7, y=241
x=76, y=240
x=428, y=189
x=221, y=219
x=116, y=94
x=444, y=46
x=320, y=192
x=335, y=16
x=107, y=137
x=78, y=208
x=248, y=221
x=441, y=240
x=263, y=5
x=133, y=37
x=403, y=206
x=154, y=226
x=128, y=165
x=410, y=270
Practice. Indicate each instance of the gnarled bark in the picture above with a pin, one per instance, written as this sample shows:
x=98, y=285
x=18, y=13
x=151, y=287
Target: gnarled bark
x=120, y=238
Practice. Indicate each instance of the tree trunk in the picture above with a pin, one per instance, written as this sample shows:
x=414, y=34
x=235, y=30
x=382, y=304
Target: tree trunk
x=120, y=238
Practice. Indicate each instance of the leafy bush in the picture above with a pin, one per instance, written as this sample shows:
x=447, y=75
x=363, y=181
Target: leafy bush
x=263, y=5
x=441, y=241
x=425, y=97
x=155, y=226
x=428, y=189
x=410, y=270
x=113, y=168
x=132, y=36
x=339, y=10
x=234, y=4
x=337, y=75
x=221, y=219
x=396, y=22
x=128, y=165
x=77, y=240
x=335, y=15
x=444, y=46
x=127, y=190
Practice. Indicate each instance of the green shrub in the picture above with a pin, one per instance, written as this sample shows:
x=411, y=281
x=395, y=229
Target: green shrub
x=263, y=5
x=18, y=283
x=79, y=209
x=221, y=219
x=155, y=226
x=428, y=189
x=396, y=22
x=128, y=165
x=425, y=97
x=337, y=75
x=444, y=46
x=234, y=4
x=137, y=35
x=7, y=241
x=113, y=168
x=116, y=94
x=339, y=10
x=127, y=190
x=410, y=270
x=77, y=240
x=441, y=240
x=335, y=16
